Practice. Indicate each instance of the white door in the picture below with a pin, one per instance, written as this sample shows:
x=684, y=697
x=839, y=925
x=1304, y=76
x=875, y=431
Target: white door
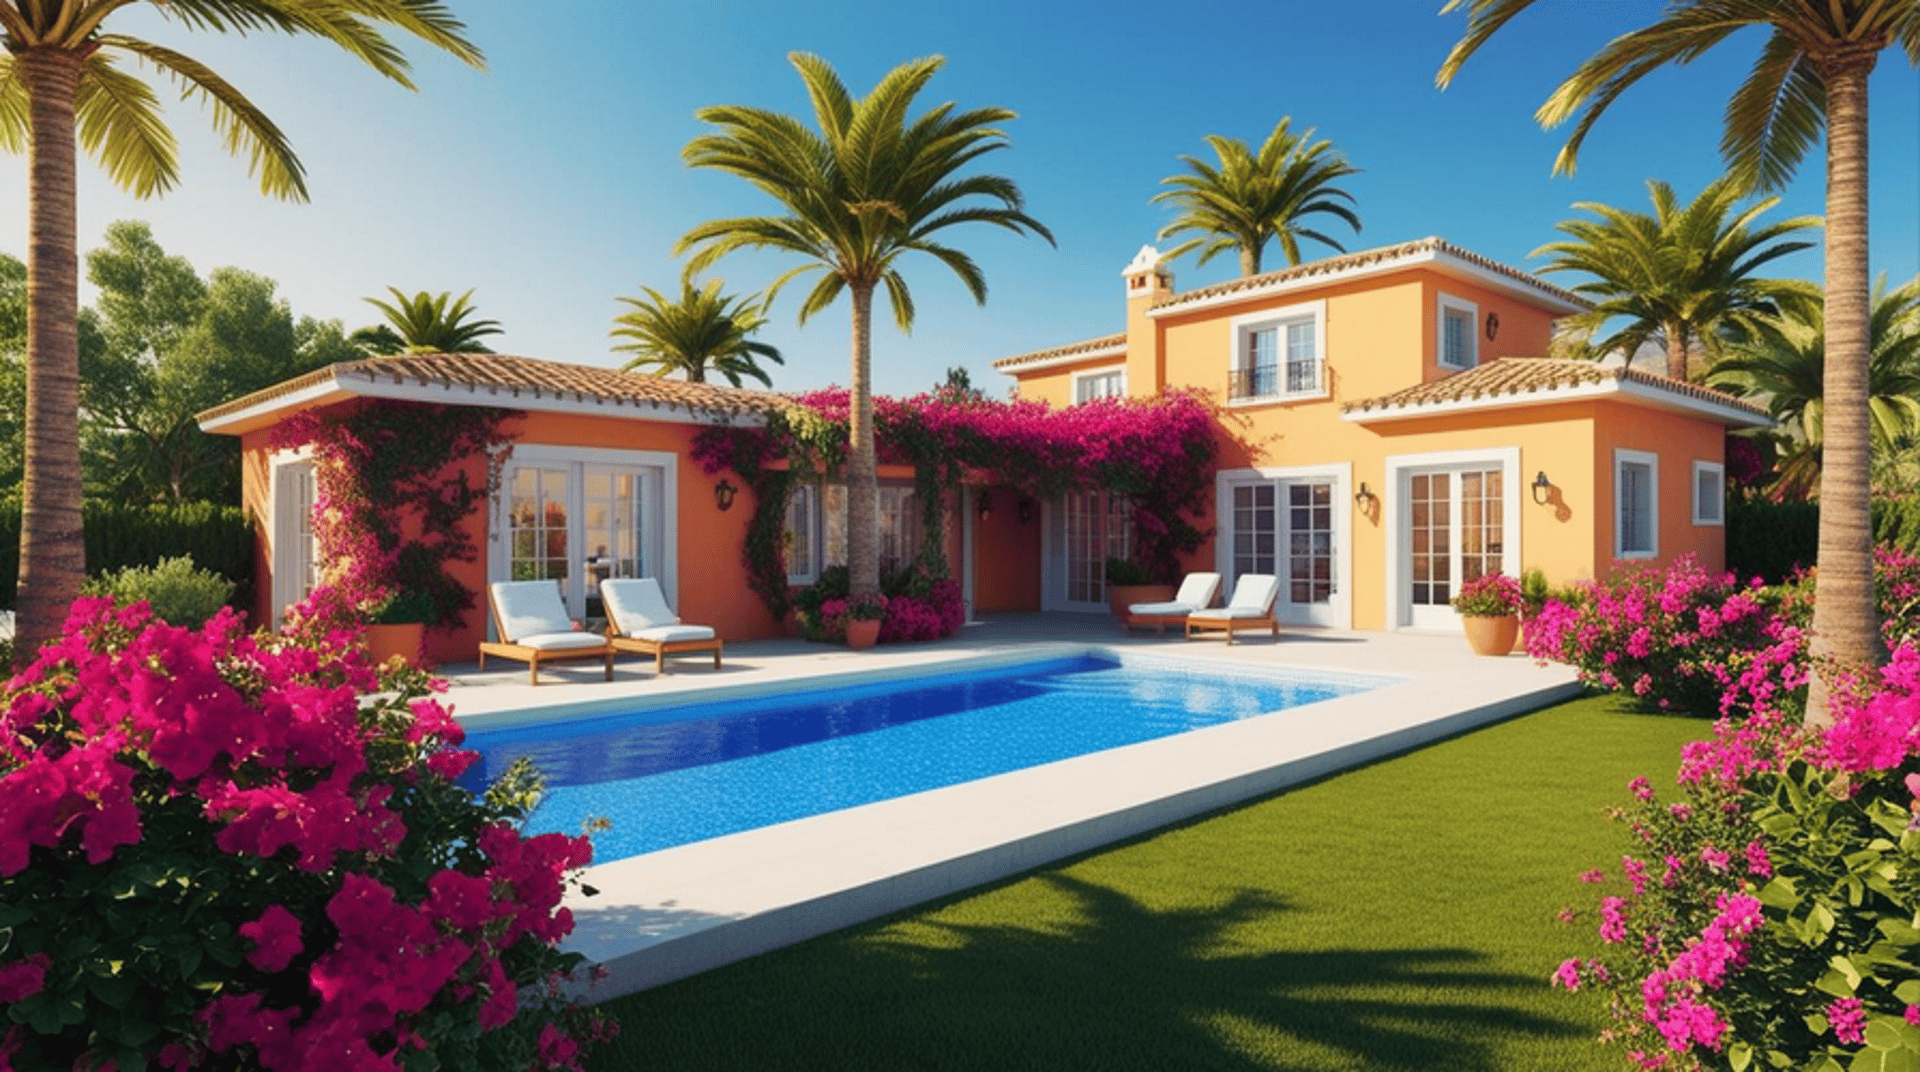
x=1085, y=529
x=580, y=523
x=1288, y=527
x=296, y=555
x=1455, y=532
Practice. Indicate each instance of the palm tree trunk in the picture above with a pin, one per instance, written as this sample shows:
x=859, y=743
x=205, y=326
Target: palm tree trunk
x=1249, y=260
x=1677, y=347
x=1846, y=623
x=52, y=550
x=863, y=488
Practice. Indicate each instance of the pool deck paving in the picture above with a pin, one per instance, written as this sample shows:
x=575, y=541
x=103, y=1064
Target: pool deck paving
x=683, y=910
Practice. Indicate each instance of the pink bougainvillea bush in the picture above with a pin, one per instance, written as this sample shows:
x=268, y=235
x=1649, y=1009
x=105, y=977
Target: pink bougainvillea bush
x=1766, y=916
x=223, y=850
x=1675, y=638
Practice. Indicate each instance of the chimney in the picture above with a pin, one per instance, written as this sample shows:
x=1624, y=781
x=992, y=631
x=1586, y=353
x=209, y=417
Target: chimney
x=1149, y=282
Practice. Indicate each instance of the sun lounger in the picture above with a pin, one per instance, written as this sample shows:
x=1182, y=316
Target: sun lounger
x=639, y=620
x=534, y=628
x=1197, y=591
x=1250, y=608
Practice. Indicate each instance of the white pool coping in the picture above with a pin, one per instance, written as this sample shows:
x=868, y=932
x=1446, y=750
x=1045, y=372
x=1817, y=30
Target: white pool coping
x=679, y=911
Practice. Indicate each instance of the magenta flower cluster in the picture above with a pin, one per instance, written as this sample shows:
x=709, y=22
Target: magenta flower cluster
x=1765, y=917
x=265, y=860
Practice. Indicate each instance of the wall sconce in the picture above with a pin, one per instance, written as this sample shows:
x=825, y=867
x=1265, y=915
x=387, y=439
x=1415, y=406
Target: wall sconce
x=986, y=506
x=1365, y=499
x=1026, y=510
x=723, y=494
x=1542, y=488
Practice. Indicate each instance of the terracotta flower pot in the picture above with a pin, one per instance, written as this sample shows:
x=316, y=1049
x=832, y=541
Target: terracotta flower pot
x=405, y=640
x=1122, y=596
x=1492, y=636
x=862, y=635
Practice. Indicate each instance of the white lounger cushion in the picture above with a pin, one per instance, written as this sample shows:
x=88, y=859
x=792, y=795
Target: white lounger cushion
x=561, y=641
x=636, y=604
x=530, y=608
x=1196, y=591
x=1253, y=597
x=673, y=634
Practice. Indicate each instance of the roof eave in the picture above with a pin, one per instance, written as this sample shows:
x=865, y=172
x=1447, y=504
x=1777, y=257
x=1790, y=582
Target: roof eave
x=1437, y=259
x=339, y=388
x=1730, y=416
x=1014, y=367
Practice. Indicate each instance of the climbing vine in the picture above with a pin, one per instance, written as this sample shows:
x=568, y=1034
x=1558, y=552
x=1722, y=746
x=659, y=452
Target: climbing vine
x=381, y=465
x=1158, y=453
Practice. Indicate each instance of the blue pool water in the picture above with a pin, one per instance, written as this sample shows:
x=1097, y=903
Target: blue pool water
x=667, y=776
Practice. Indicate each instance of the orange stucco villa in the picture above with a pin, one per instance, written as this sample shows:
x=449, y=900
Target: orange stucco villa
x=1390, y=427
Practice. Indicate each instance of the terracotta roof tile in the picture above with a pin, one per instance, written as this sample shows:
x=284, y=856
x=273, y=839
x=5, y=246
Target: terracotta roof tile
x=504, y=378
x=1517, y=377
x=1088, y=347
x=1362, y=259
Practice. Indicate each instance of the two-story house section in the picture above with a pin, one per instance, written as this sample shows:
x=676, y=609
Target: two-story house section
x=1392, y=428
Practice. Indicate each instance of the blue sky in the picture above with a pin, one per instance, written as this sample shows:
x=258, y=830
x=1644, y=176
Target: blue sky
x=552, y=183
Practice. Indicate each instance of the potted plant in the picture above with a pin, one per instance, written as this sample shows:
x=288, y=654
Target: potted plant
x=863, y=620
x=1489, y=609
x=1127, y=584
x=399, y=627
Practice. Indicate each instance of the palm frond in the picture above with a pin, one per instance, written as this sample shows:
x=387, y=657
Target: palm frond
x=244, y=128
x=14, y=120
x=117, y=121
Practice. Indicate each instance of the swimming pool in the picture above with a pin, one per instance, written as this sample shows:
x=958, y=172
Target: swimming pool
x=669, y=776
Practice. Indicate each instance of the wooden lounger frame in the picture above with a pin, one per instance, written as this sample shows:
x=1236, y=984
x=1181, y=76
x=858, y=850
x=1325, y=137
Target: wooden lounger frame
x=1230, y=626
x=533, y=657
x=660, y=649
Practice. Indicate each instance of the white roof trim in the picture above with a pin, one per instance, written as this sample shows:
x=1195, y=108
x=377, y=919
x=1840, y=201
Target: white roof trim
x=1439, y=259
x=1641, y=393
x=1011, y=369
x=458, y=394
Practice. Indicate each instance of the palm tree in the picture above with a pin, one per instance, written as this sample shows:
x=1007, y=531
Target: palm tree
x=860, y=193
x=1681, y=276
x=426, y=324
x=1252, y=197
x=703, y=330
x=1785, y=367
x=1811, y=74
x=60, y=86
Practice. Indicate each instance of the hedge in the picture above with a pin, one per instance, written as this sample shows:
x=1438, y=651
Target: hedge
x=219, y=537
x=1770, y=540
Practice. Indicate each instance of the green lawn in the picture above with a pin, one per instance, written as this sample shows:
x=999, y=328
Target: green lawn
x=1400, y=916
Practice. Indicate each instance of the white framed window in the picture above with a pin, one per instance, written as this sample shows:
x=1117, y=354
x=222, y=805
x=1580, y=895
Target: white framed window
x=1099, y=383
x=899, y=537
x=1709, y=493
x=802, y=535
x=581, y=515
x=1279, y=355
x=1456, y=333
x=1636, y=504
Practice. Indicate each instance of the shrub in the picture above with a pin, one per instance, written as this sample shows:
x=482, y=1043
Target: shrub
x=1125, y=571
x=218, y=536
x=1766, y=920
x=1896, y=591
x=178, y=593
x=222, y=850
x=1675, y=638
x=936, y=614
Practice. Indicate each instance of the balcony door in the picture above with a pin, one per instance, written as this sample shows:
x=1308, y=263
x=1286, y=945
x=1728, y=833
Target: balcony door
x=579, y=517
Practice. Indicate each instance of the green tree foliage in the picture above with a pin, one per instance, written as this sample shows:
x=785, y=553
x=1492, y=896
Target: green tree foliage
x=174, y=345
x=1811, y=77
x=703, y=331
x=862, y=191
x=1682, y=276
x=1785, y=366
x=1251, y=197
x=426, y=324
x=61, y=90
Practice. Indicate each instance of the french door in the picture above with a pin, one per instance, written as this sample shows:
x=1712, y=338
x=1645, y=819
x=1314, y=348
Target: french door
x=1089, y=528
x=1456, y=525
x=1286, y=527
x=580, y=522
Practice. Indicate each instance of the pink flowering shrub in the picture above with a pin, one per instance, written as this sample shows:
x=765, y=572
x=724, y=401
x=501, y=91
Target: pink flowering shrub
x=223, y=850
x=1676, y=638
x=1896, y=591
x=1765, y=917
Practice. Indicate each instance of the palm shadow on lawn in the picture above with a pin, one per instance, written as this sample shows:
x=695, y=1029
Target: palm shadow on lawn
x=1116, y=985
